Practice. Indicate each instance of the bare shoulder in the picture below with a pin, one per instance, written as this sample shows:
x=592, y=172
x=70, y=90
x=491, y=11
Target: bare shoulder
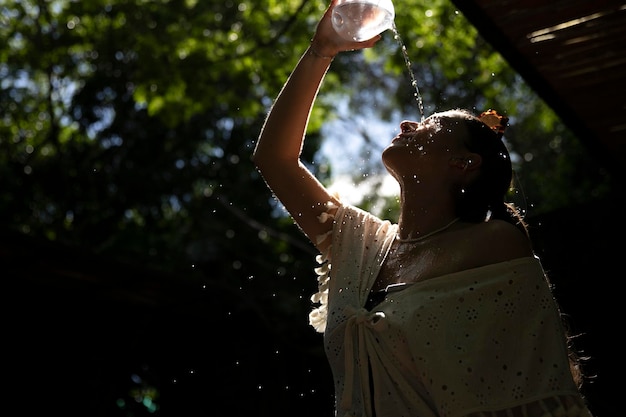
x=501, y=241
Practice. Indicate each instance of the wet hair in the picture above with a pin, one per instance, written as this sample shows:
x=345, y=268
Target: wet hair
x=485, y=197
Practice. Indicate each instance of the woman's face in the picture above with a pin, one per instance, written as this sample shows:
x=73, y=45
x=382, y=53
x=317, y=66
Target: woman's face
x=424, y=147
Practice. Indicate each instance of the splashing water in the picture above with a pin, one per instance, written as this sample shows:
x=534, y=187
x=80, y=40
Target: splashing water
x=407, y=61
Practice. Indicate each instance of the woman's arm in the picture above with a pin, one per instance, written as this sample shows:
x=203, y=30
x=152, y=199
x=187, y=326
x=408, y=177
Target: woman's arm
x=277, y=153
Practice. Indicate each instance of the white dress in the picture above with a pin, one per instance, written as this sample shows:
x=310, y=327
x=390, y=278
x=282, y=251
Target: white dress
x=486, y=342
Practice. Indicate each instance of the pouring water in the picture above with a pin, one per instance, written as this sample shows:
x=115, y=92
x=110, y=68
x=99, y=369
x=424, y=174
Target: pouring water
x=360, y=20
x=407, y=61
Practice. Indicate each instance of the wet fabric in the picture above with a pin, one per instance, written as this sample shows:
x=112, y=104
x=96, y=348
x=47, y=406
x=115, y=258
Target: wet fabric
x=483, y=342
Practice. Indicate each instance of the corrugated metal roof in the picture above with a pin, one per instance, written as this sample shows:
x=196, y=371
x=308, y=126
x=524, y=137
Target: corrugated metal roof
x=573, y=54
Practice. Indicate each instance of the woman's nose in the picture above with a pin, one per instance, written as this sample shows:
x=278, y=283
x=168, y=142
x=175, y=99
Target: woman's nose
x=408, y=126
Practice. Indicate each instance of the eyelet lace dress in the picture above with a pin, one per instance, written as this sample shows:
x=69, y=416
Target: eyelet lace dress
x=486, y=342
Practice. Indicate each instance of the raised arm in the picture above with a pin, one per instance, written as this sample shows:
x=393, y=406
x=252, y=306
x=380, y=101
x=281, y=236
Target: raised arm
x=277, y=152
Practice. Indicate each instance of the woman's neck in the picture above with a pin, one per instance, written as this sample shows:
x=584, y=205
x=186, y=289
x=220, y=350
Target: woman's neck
x=424, y=213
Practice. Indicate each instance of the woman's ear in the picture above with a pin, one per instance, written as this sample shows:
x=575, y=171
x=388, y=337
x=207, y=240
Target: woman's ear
x=467, y=163
x=472, y=161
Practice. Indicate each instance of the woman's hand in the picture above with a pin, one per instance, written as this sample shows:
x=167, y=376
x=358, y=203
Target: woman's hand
x=327, y=43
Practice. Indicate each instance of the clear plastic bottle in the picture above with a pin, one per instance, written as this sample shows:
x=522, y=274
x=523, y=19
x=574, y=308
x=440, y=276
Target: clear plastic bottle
x=360, y=20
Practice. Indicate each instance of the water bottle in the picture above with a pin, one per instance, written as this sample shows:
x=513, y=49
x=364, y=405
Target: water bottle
x=360, y=20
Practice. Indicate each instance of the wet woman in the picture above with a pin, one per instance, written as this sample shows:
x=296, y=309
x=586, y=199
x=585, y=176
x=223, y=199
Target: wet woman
x=446, y=312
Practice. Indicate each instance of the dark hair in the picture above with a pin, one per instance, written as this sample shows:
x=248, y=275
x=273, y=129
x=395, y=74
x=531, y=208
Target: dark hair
x=485, y=197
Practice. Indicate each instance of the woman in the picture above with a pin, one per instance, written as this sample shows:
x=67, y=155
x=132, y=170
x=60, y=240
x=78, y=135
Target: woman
x=446, y=313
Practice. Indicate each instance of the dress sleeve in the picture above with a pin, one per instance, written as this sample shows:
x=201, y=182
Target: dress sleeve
x=358, y=242
x=317, y=317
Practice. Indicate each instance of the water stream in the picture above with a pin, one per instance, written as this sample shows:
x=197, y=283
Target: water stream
x=407, y=61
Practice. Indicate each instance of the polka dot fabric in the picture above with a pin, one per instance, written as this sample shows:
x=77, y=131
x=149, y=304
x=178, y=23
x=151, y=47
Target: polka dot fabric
x=486, y=342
